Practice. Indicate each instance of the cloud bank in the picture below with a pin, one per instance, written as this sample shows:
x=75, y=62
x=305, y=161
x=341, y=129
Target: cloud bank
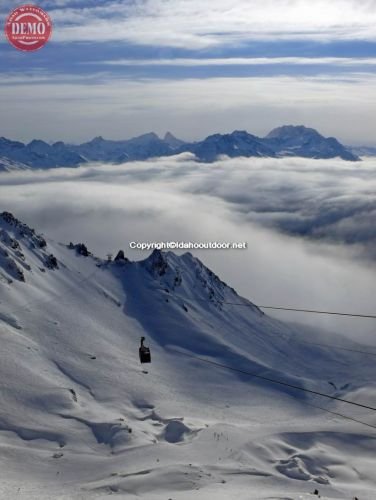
x=308, y=223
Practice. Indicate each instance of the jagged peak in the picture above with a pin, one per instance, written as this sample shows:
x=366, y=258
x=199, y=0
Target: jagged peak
x=173, y=271
x=16, y=241
x=156, y=263
x=172, y=140
x=168, y=136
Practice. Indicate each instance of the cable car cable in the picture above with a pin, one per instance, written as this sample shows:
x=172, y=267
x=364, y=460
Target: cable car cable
x=334, y=347
x=317, y=312
x=341, y=415
x=346, y=417
x=274, y=381
x=313, y=311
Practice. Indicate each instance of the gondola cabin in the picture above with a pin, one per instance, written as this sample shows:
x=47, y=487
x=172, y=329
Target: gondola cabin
x=144, y=352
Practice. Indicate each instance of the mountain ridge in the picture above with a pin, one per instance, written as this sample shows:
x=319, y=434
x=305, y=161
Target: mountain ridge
x=285, y=141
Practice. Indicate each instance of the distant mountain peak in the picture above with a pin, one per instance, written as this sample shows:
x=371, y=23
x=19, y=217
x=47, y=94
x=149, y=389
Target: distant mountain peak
x=291, y=131
x=38, y=146
x=233, y=145
x=241, y=133
x=147, y=136
x=172, y=141
x=298, y=140
x=168, y=136
x=37, y=142
x=97, y=140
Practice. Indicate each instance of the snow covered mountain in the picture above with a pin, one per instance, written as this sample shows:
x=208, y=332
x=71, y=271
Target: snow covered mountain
x=239, y=143
x=36, y=154
x=7, y=165
x=306, y=142
x=138, y=148
x=284, y=141
x=79, y=417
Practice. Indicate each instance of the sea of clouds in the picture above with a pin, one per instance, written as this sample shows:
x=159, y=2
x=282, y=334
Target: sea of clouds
x=309, y=224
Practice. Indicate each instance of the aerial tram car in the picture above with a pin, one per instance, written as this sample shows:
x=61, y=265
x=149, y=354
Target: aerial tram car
x=144, y=352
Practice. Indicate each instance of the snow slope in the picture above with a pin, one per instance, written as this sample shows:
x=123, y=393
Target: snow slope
x=7, y=165
x=80, y=419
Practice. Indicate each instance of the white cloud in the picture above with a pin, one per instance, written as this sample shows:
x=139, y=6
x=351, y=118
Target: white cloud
x=244, y=61
x=198, y=24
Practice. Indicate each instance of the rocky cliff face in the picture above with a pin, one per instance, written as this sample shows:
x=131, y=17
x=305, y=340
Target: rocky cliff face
x=15, y=237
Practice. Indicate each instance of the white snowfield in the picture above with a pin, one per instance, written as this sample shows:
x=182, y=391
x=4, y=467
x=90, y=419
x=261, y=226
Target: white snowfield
x=79, y=418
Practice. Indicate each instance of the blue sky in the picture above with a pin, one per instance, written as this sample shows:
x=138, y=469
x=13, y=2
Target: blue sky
x=121, y=68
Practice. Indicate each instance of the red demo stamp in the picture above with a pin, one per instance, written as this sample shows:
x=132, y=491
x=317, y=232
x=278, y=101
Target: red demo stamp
x=28, y=28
